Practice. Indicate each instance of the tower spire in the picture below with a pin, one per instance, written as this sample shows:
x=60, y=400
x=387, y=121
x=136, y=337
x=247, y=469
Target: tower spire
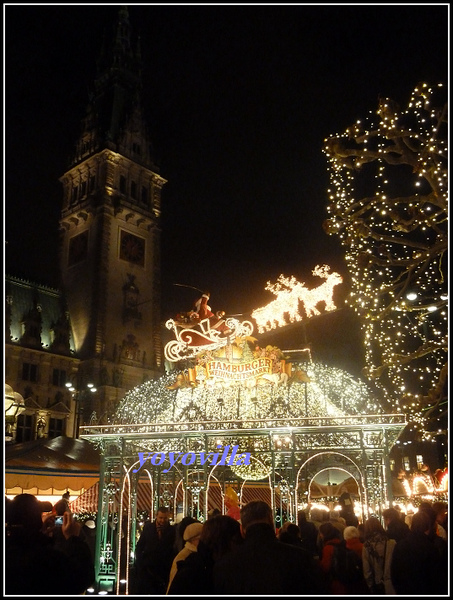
x=114, y=113
x=110, y=227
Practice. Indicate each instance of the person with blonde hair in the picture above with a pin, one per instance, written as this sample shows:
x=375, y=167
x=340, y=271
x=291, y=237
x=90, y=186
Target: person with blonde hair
x=351, y=536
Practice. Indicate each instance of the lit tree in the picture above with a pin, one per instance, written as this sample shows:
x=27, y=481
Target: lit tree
x=388, y=205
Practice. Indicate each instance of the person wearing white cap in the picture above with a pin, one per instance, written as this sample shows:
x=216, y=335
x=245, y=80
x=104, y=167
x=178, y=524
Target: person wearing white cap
x=191, y=537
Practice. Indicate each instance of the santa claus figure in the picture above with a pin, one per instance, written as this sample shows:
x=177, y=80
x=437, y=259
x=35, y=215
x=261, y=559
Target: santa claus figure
x=203, y=311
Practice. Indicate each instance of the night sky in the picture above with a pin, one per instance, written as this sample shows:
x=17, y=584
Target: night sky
x=239, y=101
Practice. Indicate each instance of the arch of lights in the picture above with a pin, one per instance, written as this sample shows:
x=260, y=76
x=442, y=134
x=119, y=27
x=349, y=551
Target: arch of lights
x=294, y=418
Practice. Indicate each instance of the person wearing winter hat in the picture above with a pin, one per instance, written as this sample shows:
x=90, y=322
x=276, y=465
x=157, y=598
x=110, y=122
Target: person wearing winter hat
x=180, y=529
x=191, y=537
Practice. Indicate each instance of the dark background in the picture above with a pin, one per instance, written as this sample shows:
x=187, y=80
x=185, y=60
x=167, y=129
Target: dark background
x=239, y=101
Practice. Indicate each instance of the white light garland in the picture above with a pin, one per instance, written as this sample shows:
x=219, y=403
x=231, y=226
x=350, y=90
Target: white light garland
x=328, y=391
x=389, y=207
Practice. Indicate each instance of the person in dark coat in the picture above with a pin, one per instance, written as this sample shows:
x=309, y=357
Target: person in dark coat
x=308, y=533
x=290, y=534
x=416, y=564
x=347, y=509
x=396, y=528
x=155, y=552
x=439, y=543
x=88, y=534
x=262, y=565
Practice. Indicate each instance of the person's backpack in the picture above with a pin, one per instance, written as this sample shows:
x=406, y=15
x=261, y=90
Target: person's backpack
x=346, y=564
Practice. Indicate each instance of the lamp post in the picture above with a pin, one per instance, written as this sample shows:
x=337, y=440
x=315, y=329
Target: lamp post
x=14, y=406
x=79, y=395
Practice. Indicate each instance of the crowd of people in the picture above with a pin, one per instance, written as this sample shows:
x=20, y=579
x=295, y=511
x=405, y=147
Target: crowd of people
x=46, y=552
x=225, y=556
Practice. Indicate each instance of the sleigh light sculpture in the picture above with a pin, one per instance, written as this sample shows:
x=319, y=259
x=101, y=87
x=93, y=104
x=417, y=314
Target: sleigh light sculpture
x=191, y=339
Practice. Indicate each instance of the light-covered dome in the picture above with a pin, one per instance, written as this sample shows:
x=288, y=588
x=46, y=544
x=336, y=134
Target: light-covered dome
x=314, y=390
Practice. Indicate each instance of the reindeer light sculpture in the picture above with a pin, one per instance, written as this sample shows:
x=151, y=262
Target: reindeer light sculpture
x=290, y=293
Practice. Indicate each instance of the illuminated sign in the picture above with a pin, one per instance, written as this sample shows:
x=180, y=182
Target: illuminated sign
x=239, y=371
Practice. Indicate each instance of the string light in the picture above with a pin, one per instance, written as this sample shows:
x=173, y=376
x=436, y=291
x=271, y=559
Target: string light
x=323, y=393
x=388, y=205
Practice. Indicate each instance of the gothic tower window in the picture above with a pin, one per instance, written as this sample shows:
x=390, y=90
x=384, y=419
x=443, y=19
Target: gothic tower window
x=78, y=248
x=144, y=197
x=60, y=333
x=130, y=349
x=56, y=427
x=59, y=377
x=25, y=428
x=131, y=295
x=29, y=372
x=91, y=183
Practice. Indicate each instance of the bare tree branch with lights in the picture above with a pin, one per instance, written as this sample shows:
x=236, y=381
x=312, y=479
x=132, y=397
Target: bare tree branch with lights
x=388, y=204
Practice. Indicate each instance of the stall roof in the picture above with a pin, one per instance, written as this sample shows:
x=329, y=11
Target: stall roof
x=47, y=463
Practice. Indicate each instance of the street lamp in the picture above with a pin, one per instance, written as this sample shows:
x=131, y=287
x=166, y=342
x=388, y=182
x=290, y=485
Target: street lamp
x=14, y=406
x=79, y=394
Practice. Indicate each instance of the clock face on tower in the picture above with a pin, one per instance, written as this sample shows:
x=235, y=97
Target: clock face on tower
x=132, y=248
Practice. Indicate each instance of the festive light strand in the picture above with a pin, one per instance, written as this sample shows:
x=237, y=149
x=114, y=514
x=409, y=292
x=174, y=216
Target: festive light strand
x=389, y=207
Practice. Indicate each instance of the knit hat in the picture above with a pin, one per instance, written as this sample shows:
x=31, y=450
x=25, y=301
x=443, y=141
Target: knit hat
x=192, y=531
x=351, y=532
x=90, y=524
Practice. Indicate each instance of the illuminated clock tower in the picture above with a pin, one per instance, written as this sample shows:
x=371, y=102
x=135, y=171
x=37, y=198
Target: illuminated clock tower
x=110, y=233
